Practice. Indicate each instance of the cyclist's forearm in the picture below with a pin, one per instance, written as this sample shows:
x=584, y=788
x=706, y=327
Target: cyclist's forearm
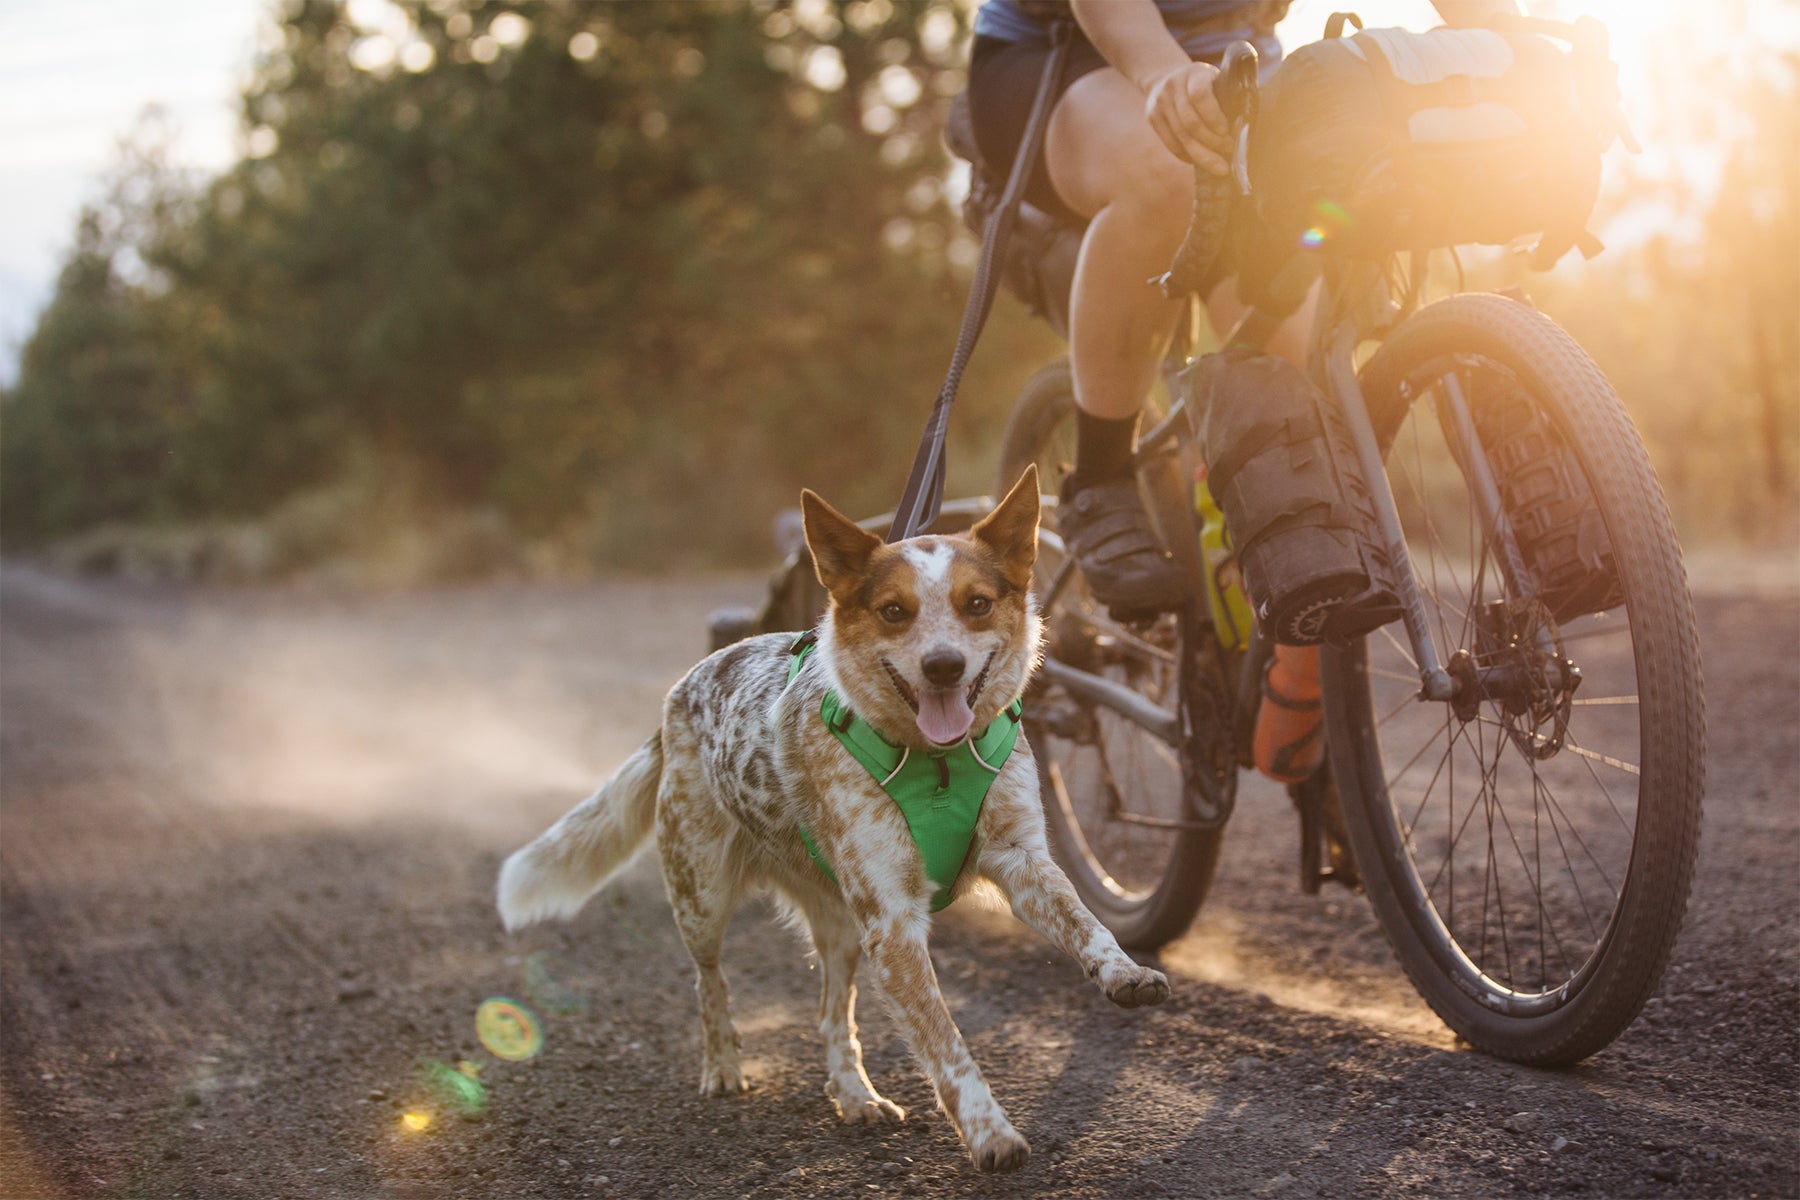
x=1464, y=13
x=1130, y=35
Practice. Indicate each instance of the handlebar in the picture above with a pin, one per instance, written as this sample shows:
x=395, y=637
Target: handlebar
x=1235, y=88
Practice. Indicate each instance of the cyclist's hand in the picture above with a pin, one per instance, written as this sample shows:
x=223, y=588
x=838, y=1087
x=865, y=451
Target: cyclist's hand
x=1184, y=113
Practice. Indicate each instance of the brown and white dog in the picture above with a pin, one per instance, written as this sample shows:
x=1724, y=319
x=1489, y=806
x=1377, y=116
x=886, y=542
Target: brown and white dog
x=926, y=640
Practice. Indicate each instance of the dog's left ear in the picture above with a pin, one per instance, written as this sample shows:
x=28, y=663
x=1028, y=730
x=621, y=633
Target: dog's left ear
x=1010, y=531
x=840, y=547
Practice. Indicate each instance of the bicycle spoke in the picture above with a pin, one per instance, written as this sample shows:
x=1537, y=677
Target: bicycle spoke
x=1574, y=877
x=1425, y=794
x=1607, y=792
x=1457, y=836
x=1492, y=793
x=1535, y=879
x=1599, y=867
x=1596, y=756
x=1405, y=651
x=1582, y=635
x=1395, y=711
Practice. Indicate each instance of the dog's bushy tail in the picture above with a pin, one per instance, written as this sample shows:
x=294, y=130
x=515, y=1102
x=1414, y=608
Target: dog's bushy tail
x=555, y=874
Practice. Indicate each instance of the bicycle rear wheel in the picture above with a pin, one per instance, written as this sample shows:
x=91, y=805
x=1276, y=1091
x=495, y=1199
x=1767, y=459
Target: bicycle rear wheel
x=1114, y=794
x=1529, y=846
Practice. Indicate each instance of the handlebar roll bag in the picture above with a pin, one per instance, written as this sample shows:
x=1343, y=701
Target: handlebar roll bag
x=1392, y=140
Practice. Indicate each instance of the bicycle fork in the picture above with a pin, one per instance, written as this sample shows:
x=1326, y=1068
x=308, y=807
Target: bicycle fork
x=1458, y=426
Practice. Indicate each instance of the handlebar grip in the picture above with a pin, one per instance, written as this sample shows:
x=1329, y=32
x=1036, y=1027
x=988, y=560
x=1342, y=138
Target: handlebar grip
x=1235, y=90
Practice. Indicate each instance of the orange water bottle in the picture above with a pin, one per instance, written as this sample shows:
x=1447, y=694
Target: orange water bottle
x=1288, y=743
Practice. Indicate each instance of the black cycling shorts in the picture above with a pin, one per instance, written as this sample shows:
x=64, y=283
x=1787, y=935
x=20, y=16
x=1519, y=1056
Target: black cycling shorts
x=1003, y=81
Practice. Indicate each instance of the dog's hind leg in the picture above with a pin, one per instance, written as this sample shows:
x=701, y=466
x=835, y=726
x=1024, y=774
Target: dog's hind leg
x=840, y=950
x=694, y=839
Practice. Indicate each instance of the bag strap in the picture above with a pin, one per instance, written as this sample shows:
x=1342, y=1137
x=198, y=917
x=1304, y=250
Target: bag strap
x=924, y=493
x=1334, y=25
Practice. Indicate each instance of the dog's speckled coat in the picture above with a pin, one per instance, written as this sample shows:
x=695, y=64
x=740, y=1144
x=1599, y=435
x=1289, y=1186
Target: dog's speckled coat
x=743, y=760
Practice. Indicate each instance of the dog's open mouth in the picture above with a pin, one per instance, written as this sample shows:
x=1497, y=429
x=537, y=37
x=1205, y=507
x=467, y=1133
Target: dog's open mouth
x=944, y=715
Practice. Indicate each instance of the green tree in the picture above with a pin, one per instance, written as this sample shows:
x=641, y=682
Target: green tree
x=630, y=272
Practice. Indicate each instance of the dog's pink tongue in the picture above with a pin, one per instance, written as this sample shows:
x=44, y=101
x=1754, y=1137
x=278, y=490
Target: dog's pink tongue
x=944, y=716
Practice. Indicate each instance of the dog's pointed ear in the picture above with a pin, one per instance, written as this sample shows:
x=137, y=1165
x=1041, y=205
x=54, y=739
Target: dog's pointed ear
x=1010, y=531
x=840, y=548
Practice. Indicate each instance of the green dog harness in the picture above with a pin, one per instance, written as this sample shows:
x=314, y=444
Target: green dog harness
x=940, y=792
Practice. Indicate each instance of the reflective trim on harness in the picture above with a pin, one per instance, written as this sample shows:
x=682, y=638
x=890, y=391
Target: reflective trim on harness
x=939, y=792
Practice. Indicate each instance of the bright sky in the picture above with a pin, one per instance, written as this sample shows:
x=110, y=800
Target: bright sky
x=75, y=74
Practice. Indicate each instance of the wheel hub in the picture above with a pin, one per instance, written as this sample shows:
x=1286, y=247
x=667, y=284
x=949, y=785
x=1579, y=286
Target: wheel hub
x=1519, y=667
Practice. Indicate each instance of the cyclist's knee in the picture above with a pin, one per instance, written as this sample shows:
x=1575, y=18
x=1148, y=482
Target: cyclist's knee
x=1158, y=189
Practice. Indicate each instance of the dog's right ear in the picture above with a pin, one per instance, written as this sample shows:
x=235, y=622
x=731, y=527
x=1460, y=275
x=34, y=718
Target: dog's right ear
x=840, y=548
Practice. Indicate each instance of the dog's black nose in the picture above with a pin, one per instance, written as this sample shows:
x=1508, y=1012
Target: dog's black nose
x=943, y=668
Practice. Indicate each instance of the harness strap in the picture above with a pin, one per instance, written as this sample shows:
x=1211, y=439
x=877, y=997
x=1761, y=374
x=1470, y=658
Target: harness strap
x=939, y=792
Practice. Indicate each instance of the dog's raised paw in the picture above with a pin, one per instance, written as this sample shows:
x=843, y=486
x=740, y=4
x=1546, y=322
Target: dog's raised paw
x=1137, y=988
x=1000, y=1153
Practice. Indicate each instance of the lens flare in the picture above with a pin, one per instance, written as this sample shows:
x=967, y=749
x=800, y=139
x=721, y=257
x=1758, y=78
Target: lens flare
x=1329, y=220
x=554, y=984
x=508, y=1029
x=416, y=1122
x=457, y=1087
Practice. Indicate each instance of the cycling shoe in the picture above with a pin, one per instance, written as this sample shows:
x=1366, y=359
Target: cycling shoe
x=1106, y=528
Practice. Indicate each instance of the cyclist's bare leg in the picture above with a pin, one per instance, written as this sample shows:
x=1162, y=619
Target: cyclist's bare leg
x=1108, y=165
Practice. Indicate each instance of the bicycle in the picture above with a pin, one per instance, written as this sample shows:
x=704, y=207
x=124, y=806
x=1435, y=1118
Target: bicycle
x=1546, y=650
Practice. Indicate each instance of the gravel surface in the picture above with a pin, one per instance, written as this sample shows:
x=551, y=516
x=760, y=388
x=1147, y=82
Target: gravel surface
x=249, y=840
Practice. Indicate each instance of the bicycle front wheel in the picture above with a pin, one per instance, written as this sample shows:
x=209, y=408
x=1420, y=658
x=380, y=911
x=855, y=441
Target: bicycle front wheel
x=1114, y=793
x=1528, y=846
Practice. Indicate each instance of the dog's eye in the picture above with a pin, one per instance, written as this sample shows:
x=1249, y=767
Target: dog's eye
x=979, y=606
x=892, y=613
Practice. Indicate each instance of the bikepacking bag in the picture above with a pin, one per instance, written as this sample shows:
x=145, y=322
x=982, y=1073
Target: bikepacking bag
x=1283, y=467
x=1554, y=517
x=1392, y=140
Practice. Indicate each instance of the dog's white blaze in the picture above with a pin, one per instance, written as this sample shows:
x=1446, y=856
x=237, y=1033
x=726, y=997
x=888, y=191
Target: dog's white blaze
x=931, y=562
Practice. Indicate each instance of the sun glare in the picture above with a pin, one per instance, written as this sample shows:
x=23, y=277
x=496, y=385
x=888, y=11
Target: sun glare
x=1651, y=39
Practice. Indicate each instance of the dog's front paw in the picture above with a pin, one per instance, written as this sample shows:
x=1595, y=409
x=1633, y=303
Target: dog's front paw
x=1134, y=986
x=999, y=1152
x=722, y=1079
x=868, y=1110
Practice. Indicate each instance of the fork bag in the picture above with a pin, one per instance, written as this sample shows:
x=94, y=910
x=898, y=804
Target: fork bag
x=1554, y=516
x=1283, y=467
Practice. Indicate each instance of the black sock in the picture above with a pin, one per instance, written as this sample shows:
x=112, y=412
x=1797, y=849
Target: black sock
x=1102, y=448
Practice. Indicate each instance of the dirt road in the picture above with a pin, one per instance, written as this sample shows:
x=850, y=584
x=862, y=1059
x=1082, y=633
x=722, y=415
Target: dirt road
x=249, y=839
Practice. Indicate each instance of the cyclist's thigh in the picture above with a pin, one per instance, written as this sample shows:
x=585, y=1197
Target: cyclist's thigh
x=1223, y=308
x=1100, y=149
